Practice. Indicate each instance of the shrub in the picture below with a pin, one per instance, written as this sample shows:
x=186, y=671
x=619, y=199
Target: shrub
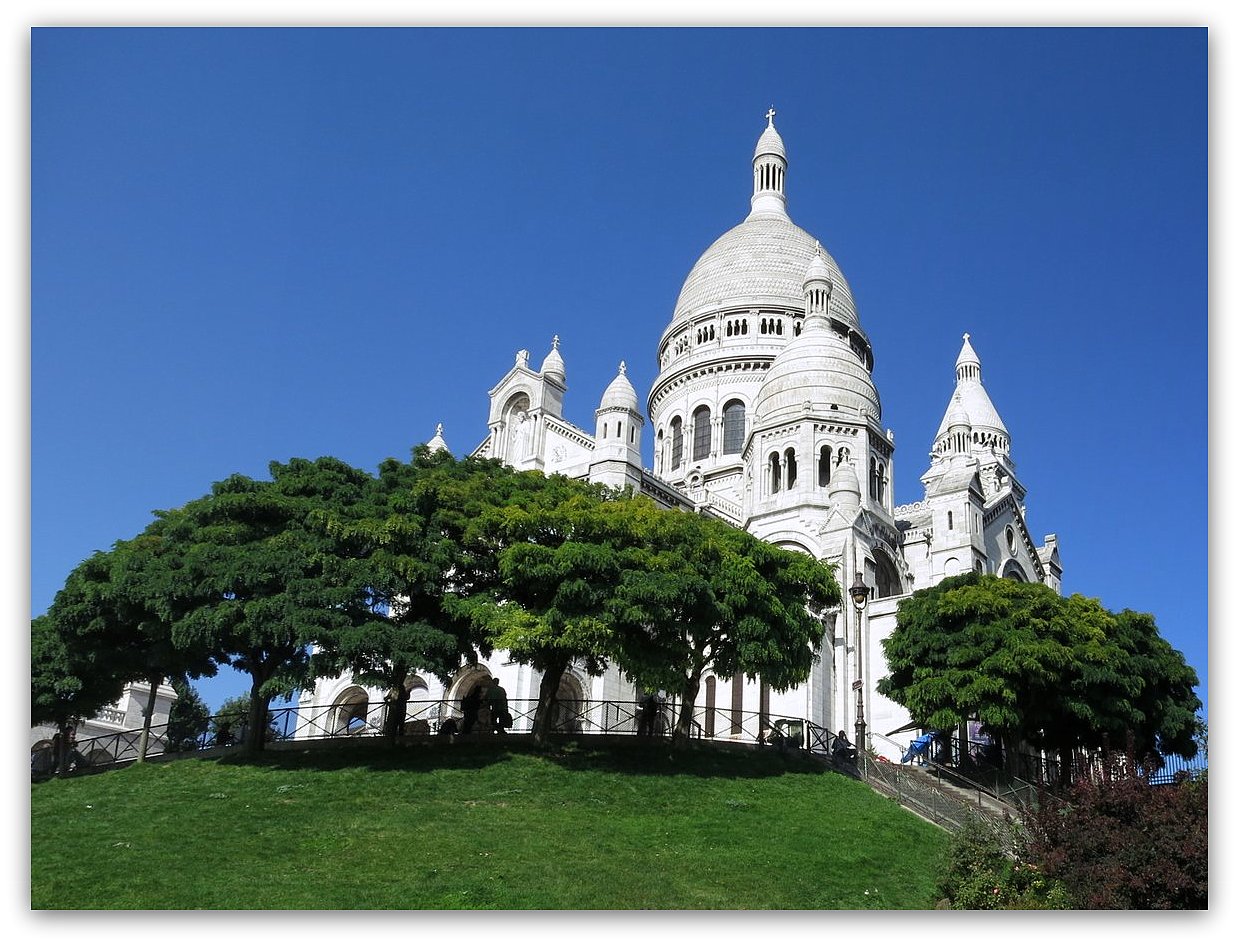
x=980, y=871
x=1122, y=843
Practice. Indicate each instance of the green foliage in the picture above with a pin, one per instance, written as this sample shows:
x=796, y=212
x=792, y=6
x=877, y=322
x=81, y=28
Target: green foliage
x=1057, y=672
x=980, y=872
x=187, y=718
x=259, y=581
x=1122, y=843
x=463, y=826
x=77, y=655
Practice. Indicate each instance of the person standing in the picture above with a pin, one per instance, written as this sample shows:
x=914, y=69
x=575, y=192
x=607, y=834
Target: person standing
x=497, y=699
x=470, y=705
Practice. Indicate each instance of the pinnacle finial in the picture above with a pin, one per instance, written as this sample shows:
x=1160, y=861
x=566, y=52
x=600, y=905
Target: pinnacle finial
x=438, y=429
x=770, y=117
x=966, y=336
x=555, y=343
x=623, y=368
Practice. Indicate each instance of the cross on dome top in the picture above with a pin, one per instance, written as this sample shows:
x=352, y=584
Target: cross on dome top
x=623, y=368
x=555, y=342
x=770, y=117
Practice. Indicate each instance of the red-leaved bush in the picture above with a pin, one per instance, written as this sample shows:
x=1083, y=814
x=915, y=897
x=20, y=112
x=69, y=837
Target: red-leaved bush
x=1122, y=843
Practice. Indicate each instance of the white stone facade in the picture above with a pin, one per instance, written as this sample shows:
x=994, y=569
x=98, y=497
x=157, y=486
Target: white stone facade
x=764, y=413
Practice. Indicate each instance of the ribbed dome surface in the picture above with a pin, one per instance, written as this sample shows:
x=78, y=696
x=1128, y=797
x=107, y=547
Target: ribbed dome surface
x=620, y=393
x=553, y=363
x=770, y=142
x=761, y=261
x=818, y=367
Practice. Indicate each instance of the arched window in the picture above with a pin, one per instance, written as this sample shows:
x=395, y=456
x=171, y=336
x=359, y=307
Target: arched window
x=886, y=577
x=677, y=442
x=658, y=452
x=776, y=473
x=881, y=482
x=789, y=459
x=733, y=427
x=701, y=433
x=823, y=467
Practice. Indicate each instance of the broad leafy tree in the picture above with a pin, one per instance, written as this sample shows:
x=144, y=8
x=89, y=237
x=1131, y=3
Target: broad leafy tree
x=260, y=579
x=1059, y=673
x=77, y=660
x=559, y=564
x=695, y=595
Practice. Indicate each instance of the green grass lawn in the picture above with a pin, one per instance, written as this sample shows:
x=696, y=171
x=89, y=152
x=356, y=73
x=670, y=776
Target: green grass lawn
x=478, y=826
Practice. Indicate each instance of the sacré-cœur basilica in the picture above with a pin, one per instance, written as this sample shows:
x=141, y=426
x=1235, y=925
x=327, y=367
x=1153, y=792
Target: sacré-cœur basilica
x=764, y=413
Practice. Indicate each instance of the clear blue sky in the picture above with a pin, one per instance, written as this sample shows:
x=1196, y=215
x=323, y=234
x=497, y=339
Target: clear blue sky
x=256, y=244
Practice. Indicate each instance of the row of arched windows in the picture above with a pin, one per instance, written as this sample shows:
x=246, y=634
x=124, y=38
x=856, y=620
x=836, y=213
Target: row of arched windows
x=703, y=435
x=877, y=480
x=783, y=469
x=769, y=177
x=705, y=333
x=736, y=326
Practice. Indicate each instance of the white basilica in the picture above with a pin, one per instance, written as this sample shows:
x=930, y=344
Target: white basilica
x=764, y=413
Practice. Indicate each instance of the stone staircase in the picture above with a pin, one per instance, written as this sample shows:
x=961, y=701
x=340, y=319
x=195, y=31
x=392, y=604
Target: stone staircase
x=936, y=794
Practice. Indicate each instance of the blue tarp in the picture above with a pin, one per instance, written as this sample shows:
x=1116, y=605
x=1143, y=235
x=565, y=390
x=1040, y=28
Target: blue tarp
x=919, y=746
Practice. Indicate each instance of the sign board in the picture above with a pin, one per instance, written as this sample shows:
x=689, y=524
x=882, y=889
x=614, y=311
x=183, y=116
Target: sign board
x=857, y=684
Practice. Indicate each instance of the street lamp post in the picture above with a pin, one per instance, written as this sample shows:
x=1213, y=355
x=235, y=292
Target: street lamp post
x=859, y=592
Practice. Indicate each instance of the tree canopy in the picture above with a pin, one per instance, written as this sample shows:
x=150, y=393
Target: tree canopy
x=1057, y=672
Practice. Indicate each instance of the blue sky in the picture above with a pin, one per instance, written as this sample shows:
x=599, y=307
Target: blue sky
x=256, y=244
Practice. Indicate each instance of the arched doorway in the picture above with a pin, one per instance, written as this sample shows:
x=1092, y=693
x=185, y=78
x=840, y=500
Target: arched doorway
x=348, y=712
x=469, y=680
x=569, y=703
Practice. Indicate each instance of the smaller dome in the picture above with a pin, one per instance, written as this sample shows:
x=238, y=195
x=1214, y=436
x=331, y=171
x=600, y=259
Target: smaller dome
x=845, y=486
x=553, y=363
x=818, y=271
x=770, y=141
x=817, y=370
x=619, y=394
x=957, y=416
x=967, y=356
x=436, y=442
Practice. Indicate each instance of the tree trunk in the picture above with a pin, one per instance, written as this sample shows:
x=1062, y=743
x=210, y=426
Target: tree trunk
x=547, y=690
x=147, y=714
x=397, y=708
x=684, y=723
x=256, y=731
x=60, y=759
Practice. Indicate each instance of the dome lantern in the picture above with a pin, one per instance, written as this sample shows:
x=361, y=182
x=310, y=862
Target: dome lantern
x=769, y=172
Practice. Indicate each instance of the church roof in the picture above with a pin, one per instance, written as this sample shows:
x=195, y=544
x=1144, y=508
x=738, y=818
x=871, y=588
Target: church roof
x=770, y=142
x=437, y=442
x=761, y=261
x=553, y=363
x=817, y=367
x=971, y=395
x=620, y=393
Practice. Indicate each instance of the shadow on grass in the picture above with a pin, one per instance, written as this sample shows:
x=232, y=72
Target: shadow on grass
x=595, y=753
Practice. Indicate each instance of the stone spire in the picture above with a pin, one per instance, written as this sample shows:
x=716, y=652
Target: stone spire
x=769, y=172
x=437, y=442
x=553, y=363
x=817, y=289
x=972, y=400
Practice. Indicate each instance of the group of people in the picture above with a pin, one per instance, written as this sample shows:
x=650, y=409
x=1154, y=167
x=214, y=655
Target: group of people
x=485, y=708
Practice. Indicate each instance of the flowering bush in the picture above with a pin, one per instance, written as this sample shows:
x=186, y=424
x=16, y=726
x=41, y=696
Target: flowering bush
x=979, y=872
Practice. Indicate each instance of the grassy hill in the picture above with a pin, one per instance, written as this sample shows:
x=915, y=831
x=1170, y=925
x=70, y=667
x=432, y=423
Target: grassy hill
x=478, y=826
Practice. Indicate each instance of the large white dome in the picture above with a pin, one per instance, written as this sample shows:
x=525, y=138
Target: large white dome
x=762, y=261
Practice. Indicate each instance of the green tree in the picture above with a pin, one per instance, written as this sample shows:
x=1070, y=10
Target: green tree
x=260, y=579
x=188, y=718
x=558, y=566
x=77, y=663
x=418, y=552
x=1057, y=672
x=694, y=595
